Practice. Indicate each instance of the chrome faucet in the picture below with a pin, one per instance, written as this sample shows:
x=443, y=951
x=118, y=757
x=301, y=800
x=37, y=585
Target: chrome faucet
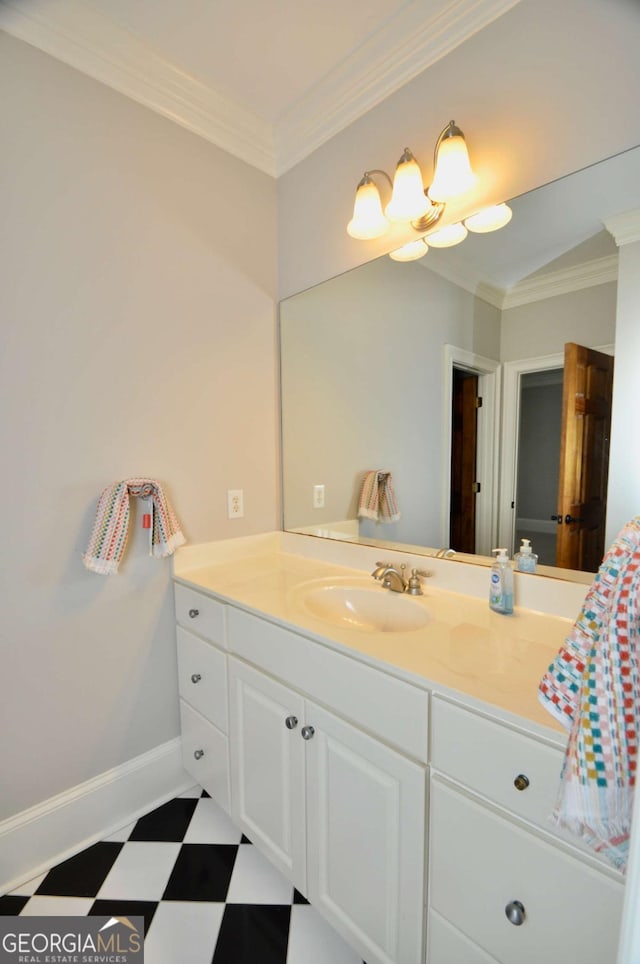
x=444, y=553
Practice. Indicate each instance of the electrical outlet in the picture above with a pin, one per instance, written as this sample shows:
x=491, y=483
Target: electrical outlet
x=318, y=497
x=235, y=503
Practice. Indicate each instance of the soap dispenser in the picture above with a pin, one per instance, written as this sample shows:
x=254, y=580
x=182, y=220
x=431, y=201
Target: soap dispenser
x=526, y=560
x=501, y=587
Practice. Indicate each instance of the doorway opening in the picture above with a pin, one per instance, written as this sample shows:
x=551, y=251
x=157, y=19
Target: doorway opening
x=538, y=461
x=470, y=435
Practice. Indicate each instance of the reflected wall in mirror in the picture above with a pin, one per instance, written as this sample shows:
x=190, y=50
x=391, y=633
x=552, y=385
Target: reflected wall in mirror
x=368, y=361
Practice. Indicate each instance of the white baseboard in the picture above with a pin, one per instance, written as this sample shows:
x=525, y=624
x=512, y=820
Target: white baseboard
x=35, y=839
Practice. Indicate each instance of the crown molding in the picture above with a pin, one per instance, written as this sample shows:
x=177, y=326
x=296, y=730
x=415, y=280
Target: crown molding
x=81, y=37
x=587, y=275
x=597, y=272
x=625, y=228
x=408, y=44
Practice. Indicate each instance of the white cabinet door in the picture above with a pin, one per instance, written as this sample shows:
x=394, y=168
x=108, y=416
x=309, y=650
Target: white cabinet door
x=267, y=768
x=365, y=840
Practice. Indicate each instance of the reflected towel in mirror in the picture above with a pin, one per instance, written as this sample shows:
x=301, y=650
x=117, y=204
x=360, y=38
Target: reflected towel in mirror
x=377, y=499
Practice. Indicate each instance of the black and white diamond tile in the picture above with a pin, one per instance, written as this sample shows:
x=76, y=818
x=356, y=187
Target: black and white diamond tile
x=206, y=894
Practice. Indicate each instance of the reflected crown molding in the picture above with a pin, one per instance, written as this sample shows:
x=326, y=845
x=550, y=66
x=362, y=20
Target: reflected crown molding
x=79, y=35
x=587, y=275
x=625, y=228
x=548, y=285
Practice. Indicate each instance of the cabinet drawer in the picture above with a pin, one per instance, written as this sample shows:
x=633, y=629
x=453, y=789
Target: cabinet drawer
x=200, y=613
x=202, y=678
x=205, y=754
x=448, y=946
x=480, y=863
x=491, y=758
x=385, y=706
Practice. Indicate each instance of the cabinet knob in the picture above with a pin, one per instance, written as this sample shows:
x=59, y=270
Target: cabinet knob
x=515, y=913
x=195, y=677
x=521, y=782
x=198, y=754
x=307, y=732
x=193, y=613
x=291, y=722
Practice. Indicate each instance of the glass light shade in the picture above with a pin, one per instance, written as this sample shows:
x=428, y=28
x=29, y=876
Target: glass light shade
x=368, y=219
x=489, y=219
x=410, y=251
x=448, y=236
x=453, y=174
x=408, y=200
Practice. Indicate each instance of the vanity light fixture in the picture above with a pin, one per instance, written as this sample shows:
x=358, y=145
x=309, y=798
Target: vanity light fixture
x=448, y=236
x=489, y=219
x=410, y=202
x=422, y=208
x=452, y=173
x=411, y=251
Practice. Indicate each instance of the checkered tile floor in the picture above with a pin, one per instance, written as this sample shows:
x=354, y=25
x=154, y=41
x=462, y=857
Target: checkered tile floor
x=206, y=894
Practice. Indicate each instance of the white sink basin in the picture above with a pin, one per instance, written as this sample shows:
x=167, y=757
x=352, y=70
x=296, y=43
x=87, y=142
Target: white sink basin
x=362, y=604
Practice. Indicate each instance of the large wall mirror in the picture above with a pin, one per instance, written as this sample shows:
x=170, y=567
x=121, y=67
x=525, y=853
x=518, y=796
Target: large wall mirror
x=376, y=364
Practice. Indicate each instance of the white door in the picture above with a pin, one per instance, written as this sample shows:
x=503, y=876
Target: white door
x=366, y=839
x=267, y=768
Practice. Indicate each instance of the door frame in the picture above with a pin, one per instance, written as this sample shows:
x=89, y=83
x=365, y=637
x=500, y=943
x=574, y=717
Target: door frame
x=487, y=448
x=513, y=372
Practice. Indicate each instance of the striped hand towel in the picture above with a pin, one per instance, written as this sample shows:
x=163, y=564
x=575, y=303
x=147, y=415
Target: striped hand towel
x=111, y=526
x=593, y=689
x=377, y=499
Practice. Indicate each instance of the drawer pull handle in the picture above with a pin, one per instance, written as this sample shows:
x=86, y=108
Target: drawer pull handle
x=198, y=754
x=193, y=613
x=291, y=722
x=515, y=913
x=307, y=732
x=521, y=782
x=195, y=677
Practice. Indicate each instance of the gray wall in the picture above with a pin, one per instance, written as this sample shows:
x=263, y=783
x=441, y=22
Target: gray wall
x=587, y=317
x=138, y=337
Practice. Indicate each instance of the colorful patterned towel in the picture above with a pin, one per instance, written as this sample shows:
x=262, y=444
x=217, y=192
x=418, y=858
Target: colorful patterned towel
x=593, y=689
x=111, y=527
x=377, y=500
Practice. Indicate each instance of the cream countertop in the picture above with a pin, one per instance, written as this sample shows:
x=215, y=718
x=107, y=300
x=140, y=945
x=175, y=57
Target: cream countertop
x=465, y=650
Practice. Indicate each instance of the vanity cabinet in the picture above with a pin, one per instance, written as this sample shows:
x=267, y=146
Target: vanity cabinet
x=202, y=685
x=322, y=759
x=502, y=883
x=341, y=814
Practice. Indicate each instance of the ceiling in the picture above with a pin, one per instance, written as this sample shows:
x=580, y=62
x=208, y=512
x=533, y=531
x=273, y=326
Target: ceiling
x=269, y=82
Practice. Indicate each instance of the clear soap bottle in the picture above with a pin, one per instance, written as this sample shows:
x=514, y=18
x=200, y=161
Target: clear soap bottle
x=501, y=586
x=526, y=560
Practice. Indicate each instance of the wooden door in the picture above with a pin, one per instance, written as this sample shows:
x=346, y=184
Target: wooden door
x=464, y=435
x=584, y=457
x=268, y=768
x=366, y=839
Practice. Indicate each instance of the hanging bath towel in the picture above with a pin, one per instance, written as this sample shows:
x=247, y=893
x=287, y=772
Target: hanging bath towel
x=377, y=499
x=593, y=689
x=111, y=526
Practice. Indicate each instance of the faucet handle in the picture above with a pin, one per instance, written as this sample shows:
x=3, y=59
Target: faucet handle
x=414, y=586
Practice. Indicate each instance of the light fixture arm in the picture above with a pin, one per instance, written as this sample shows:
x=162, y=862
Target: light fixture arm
x=375, y=170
